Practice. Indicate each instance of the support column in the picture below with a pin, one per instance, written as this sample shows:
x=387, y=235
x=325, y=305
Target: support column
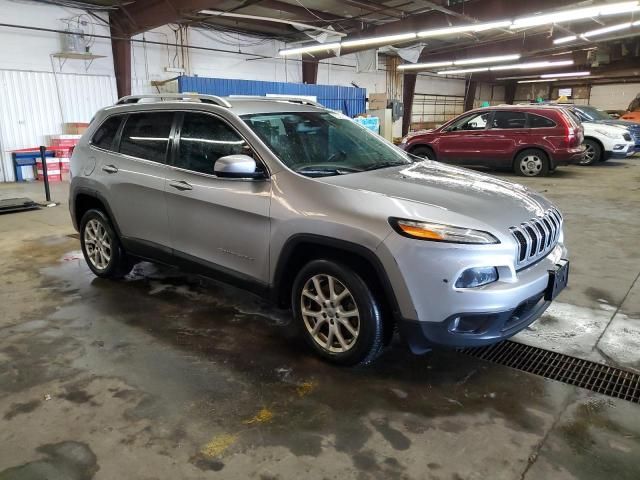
x=510, y=92
x=408, y=91
x=121, y=49
x=309, y=71
x=470, y=96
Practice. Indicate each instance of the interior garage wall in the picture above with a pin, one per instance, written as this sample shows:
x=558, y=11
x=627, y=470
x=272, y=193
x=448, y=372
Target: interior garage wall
x=614, y=97
x=37, y=104
x=488, y=92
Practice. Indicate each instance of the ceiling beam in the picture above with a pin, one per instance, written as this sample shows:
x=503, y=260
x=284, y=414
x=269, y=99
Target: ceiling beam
x=143, y=15
x=483, y=11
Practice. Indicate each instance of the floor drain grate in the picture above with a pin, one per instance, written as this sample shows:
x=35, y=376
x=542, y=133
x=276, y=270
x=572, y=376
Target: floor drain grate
x=593, y=376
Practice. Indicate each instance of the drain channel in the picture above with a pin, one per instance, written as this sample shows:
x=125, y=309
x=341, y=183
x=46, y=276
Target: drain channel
x=593, y=376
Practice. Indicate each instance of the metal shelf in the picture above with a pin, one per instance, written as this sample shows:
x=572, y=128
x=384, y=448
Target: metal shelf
x=87, y=57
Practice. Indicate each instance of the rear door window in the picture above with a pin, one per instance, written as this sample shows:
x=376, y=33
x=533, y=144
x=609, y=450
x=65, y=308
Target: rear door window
x=106, y=133
x=146, y=135
x=508, y=119
x=538, y=121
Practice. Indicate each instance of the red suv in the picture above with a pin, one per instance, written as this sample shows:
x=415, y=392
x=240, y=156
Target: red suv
x=532, y=140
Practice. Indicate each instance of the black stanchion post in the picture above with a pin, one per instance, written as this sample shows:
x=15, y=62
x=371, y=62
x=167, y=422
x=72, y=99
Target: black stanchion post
x=47, y=192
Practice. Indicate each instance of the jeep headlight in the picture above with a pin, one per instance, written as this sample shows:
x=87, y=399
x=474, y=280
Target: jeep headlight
x=476, y=277
x=441, y=233
x=609, y=133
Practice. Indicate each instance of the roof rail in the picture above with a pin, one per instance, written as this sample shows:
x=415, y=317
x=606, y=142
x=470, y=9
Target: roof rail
x=281, y=98
x=188, y=97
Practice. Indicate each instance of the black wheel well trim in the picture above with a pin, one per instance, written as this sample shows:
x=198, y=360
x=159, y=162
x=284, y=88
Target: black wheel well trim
x=415, y=146
x=98, y=196
x=337, y=244
x=594, y=139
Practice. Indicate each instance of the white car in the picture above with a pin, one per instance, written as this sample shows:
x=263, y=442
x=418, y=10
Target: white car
x=603, y=142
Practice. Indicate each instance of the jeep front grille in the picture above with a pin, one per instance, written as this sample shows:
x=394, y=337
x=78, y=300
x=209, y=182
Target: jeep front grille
x=537, y=237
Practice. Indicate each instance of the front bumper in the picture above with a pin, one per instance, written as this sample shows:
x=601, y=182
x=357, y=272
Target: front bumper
x=621, y=150
x=490, y=327
x=433, y=307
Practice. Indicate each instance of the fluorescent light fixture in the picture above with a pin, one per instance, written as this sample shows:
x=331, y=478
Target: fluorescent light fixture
x=474, y=27
x=463, y=70
x=418, y=66
x=568, y=74
x=575, y=14
x=536, y=81
x=522, y=66
x=618, y=8
x=570, y=38
x=388, y=39
x=499, y=58
x=610, y=28
x=318, y=47
x=636, y=23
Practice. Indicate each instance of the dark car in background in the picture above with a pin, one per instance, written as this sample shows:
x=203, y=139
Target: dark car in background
x=532, y=140
x=589, y=113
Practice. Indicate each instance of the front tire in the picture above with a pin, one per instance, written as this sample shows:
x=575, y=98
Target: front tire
x=101, y=246
x=592, y=154
x=531, y=163
x=423, y=151
x=338, y=315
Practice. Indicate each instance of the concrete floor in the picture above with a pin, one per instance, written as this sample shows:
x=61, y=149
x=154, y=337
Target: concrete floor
x=165, y=375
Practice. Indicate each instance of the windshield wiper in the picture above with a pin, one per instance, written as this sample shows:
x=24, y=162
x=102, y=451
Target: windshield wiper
x=321, y=172
x=385, y=165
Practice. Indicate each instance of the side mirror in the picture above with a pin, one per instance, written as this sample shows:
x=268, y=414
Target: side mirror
x=237, y=166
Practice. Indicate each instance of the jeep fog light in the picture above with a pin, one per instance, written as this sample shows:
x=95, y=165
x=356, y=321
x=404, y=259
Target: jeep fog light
x=476, y=277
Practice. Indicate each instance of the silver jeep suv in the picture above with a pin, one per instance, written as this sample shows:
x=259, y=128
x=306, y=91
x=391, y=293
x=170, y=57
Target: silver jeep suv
x=302, y=205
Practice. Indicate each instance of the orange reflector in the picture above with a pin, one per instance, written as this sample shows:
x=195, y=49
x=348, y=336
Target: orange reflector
x=420, y=232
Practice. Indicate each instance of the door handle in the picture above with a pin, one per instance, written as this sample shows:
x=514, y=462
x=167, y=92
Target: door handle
x=110, y=169
x=180, y=185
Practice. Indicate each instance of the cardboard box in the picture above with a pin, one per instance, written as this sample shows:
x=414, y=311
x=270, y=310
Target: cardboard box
x=75, y=128
x=378, y=101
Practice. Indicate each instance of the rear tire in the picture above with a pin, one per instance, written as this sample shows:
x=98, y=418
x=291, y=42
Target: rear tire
x=337, y=313
x=101, y=246
x=593, y=153
x=425, y=152
x=531, y=163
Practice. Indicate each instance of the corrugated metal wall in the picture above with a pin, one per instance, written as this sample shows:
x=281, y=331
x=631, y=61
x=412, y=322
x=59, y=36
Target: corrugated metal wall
x=350, y=100
x=35, y=105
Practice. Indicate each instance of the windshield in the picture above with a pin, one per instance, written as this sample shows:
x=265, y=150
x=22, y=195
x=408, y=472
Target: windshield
x=593, y=113
x=319, y=144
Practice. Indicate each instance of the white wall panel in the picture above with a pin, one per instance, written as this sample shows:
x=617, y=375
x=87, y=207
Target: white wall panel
x=431, y=85
x=82, y=95
x=614, y=97
x=30, y=107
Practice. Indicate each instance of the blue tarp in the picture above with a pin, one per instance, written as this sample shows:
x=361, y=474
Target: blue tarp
x=350, y=100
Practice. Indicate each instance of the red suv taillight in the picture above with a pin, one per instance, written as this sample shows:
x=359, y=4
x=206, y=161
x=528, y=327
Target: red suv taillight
x=572, y=131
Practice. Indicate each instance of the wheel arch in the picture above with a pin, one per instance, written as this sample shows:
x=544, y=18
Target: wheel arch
x=85, y=200
x=302, y=248
x=596, y=140
x=415, y=146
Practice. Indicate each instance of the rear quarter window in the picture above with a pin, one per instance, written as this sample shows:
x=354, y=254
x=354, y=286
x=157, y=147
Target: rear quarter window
x=106, y=133
x=538, y=121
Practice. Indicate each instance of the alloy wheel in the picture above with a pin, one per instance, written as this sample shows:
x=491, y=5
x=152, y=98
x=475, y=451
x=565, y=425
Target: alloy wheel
x=531, y=165
x=589, y=155
x=330, y=313
x=97, y=244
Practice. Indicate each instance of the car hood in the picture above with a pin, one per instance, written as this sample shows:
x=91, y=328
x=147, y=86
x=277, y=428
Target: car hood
x=621, y=123
x=451, y=193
